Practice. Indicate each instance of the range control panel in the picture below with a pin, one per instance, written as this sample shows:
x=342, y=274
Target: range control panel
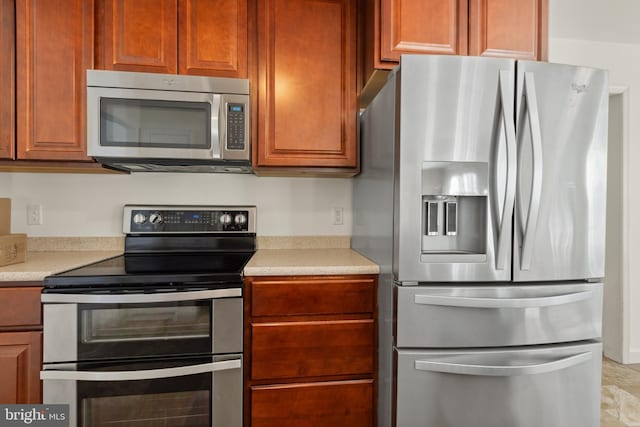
x=189, y=219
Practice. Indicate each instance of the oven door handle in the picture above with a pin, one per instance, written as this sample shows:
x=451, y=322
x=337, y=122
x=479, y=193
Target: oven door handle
x=149, y=374
x=141, y=298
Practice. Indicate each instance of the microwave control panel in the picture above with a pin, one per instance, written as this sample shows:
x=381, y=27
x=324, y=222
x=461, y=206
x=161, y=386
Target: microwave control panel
x=235, y=126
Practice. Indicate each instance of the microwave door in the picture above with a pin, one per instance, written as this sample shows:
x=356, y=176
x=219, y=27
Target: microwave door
x=133, y=123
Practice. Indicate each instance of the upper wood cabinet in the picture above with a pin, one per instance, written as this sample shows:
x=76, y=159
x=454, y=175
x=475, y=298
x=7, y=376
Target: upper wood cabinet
x=198, y=37
x=7, y=79
x=54, y=48
x=508, y=28
x=505, y=28
x=306, y=84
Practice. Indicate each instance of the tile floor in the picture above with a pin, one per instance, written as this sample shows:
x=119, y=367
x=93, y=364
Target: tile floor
x=620, y=395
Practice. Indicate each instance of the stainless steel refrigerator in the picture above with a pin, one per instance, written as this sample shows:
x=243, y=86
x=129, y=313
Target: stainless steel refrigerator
x=482, y=197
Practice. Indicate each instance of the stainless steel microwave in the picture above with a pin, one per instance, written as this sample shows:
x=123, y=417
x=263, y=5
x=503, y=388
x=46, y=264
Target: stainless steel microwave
x=147, y=122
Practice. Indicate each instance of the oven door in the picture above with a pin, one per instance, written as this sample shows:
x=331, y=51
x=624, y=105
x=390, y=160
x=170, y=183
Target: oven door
x=180, y=393
x=108, y=326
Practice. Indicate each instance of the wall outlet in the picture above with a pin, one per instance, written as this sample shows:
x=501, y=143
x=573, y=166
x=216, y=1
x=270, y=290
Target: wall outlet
x=338, y=216
x=34, y=214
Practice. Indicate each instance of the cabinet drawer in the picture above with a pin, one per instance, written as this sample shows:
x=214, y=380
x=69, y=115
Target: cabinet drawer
x=311, y=296
x=20, y=306
x=335, y=404
x=479, y=316
x=311, y=349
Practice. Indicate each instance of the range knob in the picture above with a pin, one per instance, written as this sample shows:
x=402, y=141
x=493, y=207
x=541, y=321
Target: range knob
x=155, y=218
x=225, y=219
x=240, y=219
x=139, y=218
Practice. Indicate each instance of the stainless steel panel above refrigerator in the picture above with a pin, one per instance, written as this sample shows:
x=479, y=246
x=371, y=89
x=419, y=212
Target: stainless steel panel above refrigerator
x=549, y=386
x=482, y=316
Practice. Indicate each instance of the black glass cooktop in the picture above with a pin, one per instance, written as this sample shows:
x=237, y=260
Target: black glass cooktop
x=217, y=269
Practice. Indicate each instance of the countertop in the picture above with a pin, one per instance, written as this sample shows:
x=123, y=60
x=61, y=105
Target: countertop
x=294, y=262
x=41, y=264
x=306, y=260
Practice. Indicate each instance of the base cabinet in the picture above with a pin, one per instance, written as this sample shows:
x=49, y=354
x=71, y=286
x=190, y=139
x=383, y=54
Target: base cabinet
x=20, y=363
x=20, y=343
x=335, y=404
x=311, y=351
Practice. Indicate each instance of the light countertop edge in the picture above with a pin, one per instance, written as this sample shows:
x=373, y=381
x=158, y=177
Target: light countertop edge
x=301, y=262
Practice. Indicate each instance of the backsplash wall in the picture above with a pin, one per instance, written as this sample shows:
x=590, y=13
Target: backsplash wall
x=91, y=205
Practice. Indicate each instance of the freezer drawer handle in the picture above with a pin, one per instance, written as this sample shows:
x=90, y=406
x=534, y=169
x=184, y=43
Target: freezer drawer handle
x=149, y=374
x=141, y=298
x=502, y=302
x=503, y=371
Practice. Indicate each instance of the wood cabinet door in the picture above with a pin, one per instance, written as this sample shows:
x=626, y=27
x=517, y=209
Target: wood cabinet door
x=509, y=28
x=212, y=38
x=7, y=80
x=335, y=404
x=20, y=364
x=306, y=83
x=422, y=26
x=54, y=48
x=138, y=35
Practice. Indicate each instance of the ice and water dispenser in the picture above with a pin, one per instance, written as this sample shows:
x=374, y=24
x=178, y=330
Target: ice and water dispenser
x=454, y=211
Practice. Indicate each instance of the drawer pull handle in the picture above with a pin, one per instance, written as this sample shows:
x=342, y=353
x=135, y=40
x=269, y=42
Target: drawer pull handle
x=502, y=371
x=502, y=302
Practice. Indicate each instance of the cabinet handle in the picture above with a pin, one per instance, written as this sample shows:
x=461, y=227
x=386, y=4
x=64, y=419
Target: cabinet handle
x=502, y=370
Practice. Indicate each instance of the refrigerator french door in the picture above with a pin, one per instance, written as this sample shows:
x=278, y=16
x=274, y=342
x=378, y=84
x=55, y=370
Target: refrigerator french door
x=492, y=256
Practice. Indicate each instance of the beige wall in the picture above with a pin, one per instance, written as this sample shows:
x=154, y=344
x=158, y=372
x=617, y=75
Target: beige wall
x=91, y=205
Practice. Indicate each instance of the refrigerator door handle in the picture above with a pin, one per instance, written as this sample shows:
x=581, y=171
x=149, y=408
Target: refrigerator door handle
x=539, y=302
x=504, y=237
x=502, y=370
x=529, y=94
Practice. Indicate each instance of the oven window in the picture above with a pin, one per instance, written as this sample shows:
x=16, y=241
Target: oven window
x=181, y=409
x=116, y=331
x=212, y=398
x=145, y=323
x=155, y=123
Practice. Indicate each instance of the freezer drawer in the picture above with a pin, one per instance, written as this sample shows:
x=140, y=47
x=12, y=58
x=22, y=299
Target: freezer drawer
x=548, y=386
x=479, y=316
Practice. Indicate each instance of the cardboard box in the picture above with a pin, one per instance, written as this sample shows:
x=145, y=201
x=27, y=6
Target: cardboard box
x=13, y=249
x=5, y=216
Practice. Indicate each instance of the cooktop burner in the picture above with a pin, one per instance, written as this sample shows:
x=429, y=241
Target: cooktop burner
x=171, y=247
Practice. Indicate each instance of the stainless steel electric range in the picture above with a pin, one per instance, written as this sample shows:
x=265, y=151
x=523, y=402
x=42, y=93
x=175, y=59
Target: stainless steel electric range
x=153, y=337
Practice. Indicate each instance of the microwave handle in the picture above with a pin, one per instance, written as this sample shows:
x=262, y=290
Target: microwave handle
x=216, y=118
x=148, y=374
x=142, y=297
